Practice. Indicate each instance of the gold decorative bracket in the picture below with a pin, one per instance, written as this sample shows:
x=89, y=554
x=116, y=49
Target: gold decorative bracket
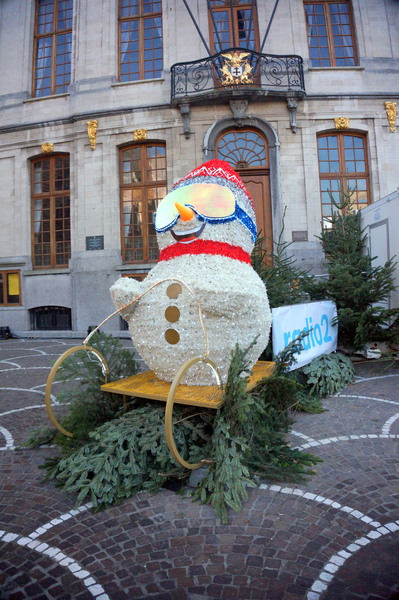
x=341, y=122
x=390, y=107
x=47, y=148
x=92, y=127
x=140, y=135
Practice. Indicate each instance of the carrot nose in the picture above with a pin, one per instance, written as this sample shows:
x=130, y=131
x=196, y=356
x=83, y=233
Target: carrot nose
x=186, y=213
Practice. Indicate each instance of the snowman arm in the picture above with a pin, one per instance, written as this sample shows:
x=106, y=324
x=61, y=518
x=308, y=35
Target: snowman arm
x=224, y=304
x=124, y=291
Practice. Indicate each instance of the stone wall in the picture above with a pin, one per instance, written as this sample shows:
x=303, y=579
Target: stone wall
x=26, y=123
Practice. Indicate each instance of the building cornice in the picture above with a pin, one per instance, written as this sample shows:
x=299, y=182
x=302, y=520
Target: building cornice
x=166, y=106
x=82, y=117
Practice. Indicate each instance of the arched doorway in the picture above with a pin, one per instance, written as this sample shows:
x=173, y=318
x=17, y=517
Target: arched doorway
x=246, y=150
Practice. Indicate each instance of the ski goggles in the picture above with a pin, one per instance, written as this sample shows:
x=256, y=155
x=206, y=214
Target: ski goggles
x=211, y=202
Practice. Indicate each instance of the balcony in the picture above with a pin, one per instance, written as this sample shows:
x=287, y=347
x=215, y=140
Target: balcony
x=236, y=74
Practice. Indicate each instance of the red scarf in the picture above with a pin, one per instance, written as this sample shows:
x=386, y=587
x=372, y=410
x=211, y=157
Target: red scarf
x=205, y=247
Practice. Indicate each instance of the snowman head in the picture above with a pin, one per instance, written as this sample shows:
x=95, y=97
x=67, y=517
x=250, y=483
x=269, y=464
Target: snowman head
x=210, y=203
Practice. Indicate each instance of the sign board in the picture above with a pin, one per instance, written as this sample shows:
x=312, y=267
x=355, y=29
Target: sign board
x=95, y=242
x=315, y=317
x=299, y=236
x=13, y=284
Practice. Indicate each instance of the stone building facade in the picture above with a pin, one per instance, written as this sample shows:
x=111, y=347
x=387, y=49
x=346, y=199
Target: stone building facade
x=77, y=214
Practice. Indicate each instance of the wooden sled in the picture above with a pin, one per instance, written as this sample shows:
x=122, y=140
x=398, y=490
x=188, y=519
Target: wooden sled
x=147, y=385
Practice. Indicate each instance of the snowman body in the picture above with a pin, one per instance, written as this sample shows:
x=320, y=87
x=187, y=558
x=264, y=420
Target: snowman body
x=211, y=272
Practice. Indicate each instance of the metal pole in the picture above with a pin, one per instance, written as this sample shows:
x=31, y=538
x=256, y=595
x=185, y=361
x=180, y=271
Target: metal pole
x=268, y=27
x=214, y=25
x=250, y=23
x=197, y=28
x=232, y=23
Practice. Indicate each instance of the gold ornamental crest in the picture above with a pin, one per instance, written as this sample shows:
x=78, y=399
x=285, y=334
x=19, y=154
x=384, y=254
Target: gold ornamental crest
x=236, y=70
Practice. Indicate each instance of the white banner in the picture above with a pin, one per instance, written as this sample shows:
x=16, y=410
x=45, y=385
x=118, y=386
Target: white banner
x=315, y=317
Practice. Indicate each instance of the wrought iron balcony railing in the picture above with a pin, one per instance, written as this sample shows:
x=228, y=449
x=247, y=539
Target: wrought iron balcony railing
x=244, y=72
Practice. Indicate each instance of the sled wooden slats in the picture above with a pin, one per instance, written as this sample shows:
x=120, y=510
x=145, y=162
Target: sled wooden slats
x=260, y=371
x=147, y=385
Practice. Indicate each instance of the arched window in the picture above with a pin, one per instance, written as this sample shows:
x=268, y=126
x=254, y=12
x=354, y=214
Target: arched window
x=143, y=185
x=242, y=148
x=51, y=226
x=343, y=164
x=246, y=151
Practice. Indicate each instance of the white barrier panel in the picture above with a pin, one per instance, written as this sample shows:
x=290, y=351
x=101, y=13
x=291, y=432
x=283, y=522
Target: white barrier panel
x=316, y=317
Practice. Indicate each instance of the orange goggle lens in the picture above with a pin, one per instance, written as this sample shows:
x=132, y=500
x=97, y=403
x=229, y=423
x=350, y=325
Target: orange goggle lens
x=208, y=200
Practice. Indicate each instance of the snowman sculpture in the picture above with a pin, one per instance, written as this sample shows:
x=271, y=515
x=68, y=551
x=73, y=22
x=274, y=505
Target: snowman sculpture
x=206, y=231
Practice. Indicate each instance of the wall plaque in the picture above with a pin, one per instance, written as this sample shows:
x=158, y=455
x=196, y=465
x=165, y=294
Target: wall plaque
x=299, y=236
x=95, y=242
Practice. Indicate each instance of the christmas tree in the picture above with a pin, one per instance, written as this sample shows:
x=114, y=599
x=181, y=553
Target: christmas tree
x=358, y=288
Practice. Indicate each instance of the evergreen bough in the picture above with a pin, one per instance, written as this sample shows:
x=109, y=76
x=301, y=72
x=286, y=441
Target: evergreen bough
x=328, y=374
x=89, y=407
x=128, y=455
x=239, y=444
x=248, y=442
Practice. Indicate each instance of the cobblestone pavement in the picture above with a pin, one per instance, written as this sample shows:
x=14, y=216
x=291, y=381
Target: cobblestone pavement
x=335, y=537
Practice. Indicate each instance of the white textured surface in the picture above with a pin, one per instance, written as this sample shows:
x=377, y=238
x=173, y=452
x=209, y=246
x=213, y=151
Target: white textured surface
x=235, y=310
x=232, y=297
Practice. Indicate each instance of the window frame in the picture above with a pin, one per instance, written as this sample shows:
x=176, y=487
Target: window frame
x=330, y=35
x=141, y=60
x=3, y=301
x=53, y=34
x=343, y=176
x=236, y=7
x=52, y=195
x=144, y=185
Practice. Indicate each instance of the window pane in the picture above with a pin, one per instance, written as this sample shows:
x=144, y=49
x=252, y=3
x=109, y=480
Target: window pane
x=45, y=16
x=317, y=35
x=328, y=154
x=43, y=83
x=140, y=201
x=342, y=35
